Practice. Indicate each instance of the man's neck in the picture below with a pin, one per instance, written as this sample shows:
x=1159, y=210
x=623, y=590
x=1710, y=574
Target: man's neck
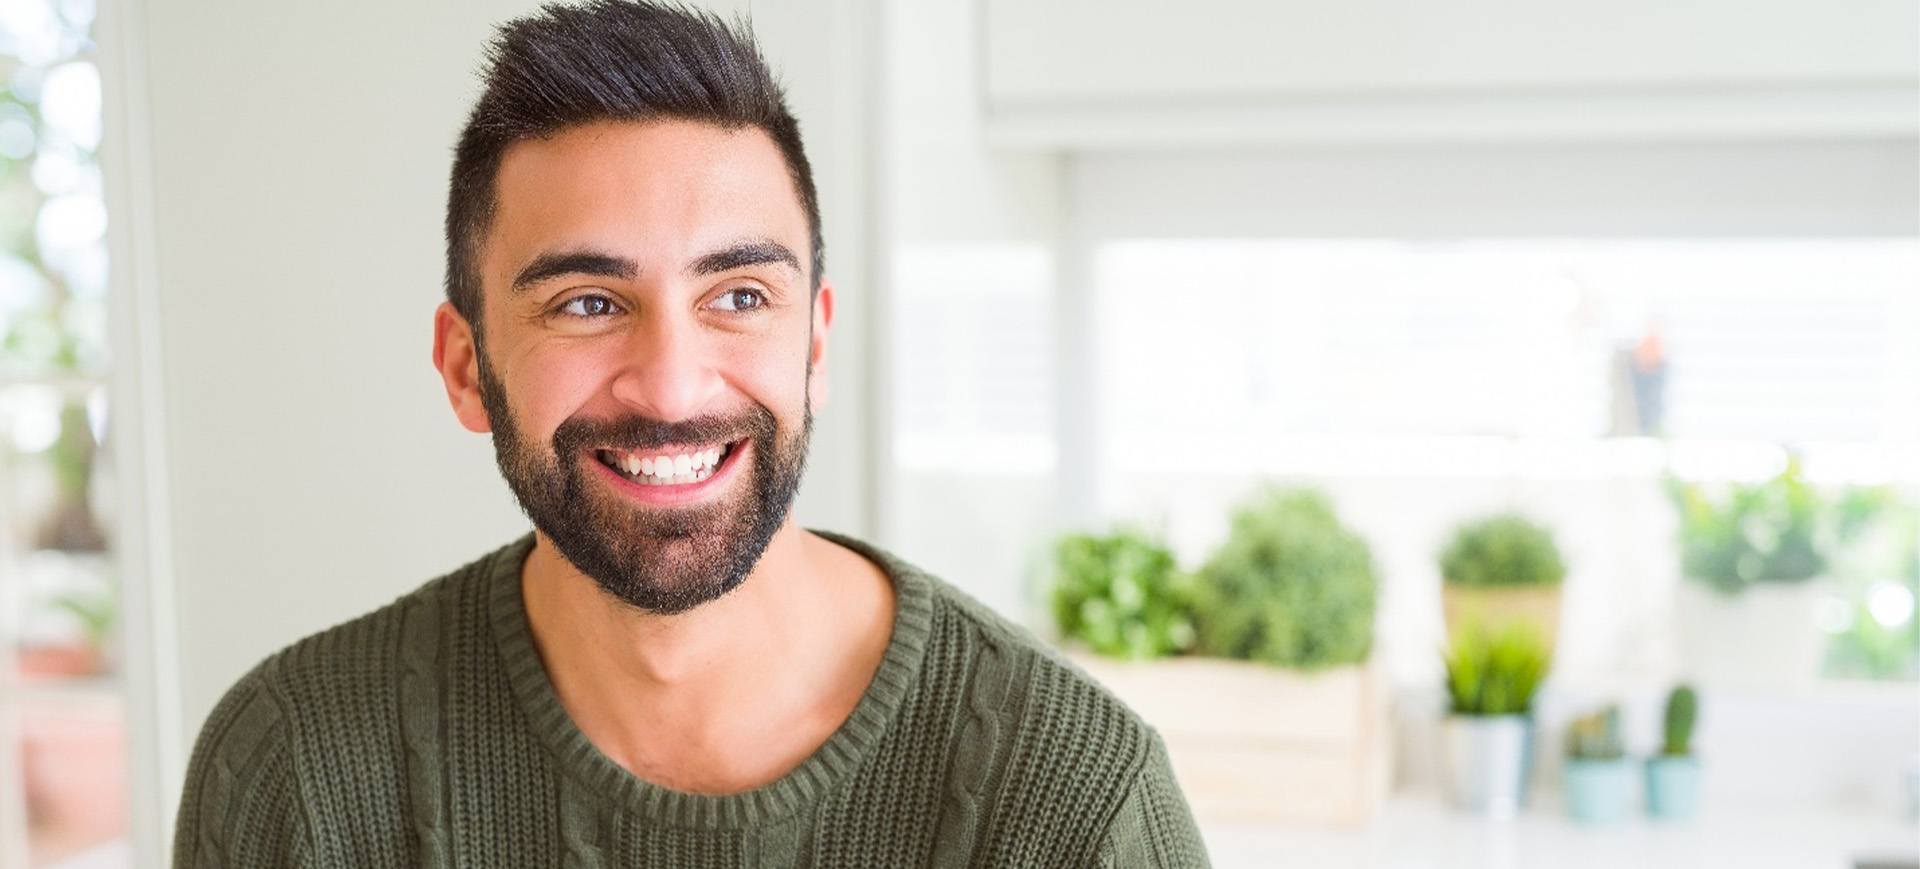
x=670, y=653
x=692, y=700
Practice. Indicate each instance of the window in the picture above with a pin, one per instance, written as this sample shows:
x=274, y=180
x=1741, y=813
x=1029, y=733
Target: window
x=63, y=773
x=1421, y=382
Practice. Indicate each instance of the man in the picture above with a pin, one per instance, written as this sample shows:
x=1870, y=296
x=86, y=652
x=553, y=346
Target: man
x=667, y=671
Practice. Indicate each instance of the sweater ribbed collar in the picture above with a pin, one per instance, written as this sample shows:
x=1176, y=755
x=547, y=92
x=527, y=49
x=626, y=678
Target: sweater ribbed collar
x=831, y=764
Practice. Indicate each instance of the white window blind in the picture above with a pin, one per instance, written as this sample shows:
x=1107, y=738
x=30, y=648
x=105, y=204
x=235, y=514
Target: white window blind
x=1772, y=341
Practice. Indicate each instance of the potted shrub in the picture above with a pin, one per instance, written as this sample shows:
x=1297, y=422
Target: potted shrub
x=1275, y=715
x=1492, y=676
x=1757, y=558
x=1673, y=776
x=1499, y=568
x=1599, y=778
x=1291, y=586
x=1121, y=595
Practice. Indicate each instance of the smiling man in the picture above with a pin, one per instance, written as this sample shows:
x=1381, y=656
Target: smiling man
x=667, y=670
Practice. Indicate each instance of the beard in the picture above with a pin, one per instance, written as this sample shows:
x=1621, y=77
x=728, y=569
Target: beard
x=662, y=560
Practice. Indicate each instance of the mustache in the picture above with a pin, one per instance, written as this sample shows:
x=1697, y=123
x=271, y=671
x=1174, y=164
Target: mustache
x=640, y=432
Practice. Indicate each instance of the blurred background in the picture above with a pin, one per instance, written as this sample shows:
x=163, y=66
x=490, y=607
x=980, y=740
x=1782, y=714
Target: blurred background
x=1474, y=434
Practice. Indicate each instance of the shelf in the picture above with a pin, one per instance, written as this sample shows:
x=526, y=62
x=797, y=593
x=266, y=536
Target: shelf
x=1419, y=831
x=87, y=690
x=72, y=382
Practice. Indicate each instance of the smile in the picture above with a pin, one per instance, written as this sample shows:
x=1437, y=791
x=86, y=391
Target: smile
x=667, y=467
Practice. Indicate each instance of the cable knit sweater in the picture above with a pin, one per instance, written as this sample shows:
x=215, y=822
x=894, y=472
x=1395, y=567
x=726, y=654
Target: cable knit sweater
x=427, y=734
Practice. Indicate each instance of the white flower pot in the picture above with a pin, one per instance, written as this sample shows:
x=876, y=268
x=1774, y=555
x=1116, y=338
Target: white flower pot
x=1488, y=760
x=1765, y=637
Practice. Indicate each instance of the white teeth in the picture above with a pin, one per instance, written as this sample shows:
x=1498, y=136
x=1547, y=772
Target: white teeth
x=677, y=479
x=669, y=470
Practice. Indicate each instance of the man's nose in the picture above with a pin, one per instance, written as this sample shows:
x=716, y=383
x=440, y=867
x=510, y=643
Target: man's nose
x=667, y=372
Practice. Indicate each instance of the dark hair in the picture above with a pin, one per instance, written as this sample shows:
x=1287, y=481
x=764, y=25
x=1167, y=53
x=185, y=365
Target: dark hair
x=621, y=60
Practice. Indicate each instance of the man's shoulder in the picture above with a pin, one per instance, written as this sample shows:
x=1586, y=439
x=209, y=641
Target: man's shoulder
x=328, y=701
x=344, y=668
x=1069, y=716
x=1053, y=750
x=1059, y=721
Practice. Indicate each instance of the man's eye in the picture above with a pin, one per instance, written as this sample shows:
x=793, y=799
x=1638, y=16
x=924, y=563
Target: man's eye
x=740, y=299
x=594, y=306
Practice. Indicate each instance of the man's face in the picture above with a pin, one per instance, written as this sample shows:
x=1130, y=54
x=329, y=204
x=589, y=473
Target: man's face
x=647, y=309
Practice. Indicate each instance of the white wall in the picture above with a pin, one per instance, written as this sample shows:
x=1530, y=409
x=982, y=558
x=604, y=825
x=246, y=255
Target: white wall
x=1077, y=74
x=1079, y=49
x=957, y=216
x=296, y=182
x=1764, y=189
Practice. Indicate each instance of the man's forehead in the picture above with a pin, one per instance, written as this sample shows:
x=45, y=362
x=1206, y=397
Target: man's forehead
x=665, y=185
x=658, y=137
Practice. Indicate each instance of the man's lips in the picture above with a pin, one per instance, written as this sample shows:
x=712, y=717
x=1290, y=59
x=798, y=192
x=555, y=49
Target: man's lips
x=673, y=477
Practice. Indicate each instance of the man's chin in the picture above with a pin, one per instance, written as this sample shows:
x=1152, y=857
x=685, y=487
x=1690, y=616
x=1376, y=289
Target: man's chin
x=645, y=526
x=656, y=574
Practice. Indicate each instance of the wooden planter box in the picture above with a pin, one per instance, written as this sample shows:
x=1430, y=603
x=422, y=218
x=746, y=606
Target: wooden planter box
x=1255, y=743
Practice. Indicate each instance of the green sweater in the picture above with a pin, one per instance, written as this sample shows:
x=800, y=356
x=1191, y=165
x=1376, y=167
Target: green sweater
x=426, y=733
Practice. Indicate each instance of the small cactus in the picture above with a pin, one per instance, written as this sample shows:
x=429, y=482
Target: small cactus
x=1596, y=736
x=1682, y=708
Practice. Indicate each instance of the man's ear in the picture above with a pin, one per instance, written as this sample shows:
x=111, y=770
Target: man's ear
x=458, y=362
x=817, y=347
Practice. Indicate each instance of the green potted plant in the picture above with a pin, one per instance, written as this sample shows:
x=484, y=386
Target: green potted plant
x=92, y=611
x=1868, y=647
x=1599, y=778
x=1756, y=558
x=1502, y=567
x=1492, y=677
x=1291, y=586
x=1274, y=714
x=1673, y=775
x=1121, y=595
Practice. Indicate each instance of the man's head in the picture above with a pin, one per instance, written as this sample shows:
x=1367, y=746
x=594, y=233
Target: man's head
x=633, y=283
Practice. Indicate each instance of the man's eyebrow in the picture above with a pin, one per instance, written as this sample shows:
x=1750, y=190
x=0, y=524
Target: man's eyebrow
x=746, y=253
x=573, y=262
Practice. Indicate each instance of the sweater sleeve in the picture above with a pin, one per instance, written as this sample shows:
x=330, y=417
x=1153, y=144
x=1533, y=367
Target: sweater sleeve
x=1154, y=827
x=241, y=804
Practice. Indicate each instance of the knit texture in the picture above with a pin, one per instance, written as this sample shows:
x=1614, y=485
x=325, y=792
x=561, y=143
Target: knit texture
x=427, y=734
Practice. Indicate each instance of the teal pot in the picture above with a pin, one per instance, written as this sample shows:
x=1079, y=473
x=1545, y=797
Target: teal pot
x=1487, y=762
x=1599, y=791
x=1913, y=791
x=1673, y=786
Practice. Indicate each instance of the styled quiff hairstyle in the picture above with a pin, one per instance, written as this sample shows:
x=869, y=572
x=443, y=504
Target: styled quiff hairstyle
x=609, y=60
